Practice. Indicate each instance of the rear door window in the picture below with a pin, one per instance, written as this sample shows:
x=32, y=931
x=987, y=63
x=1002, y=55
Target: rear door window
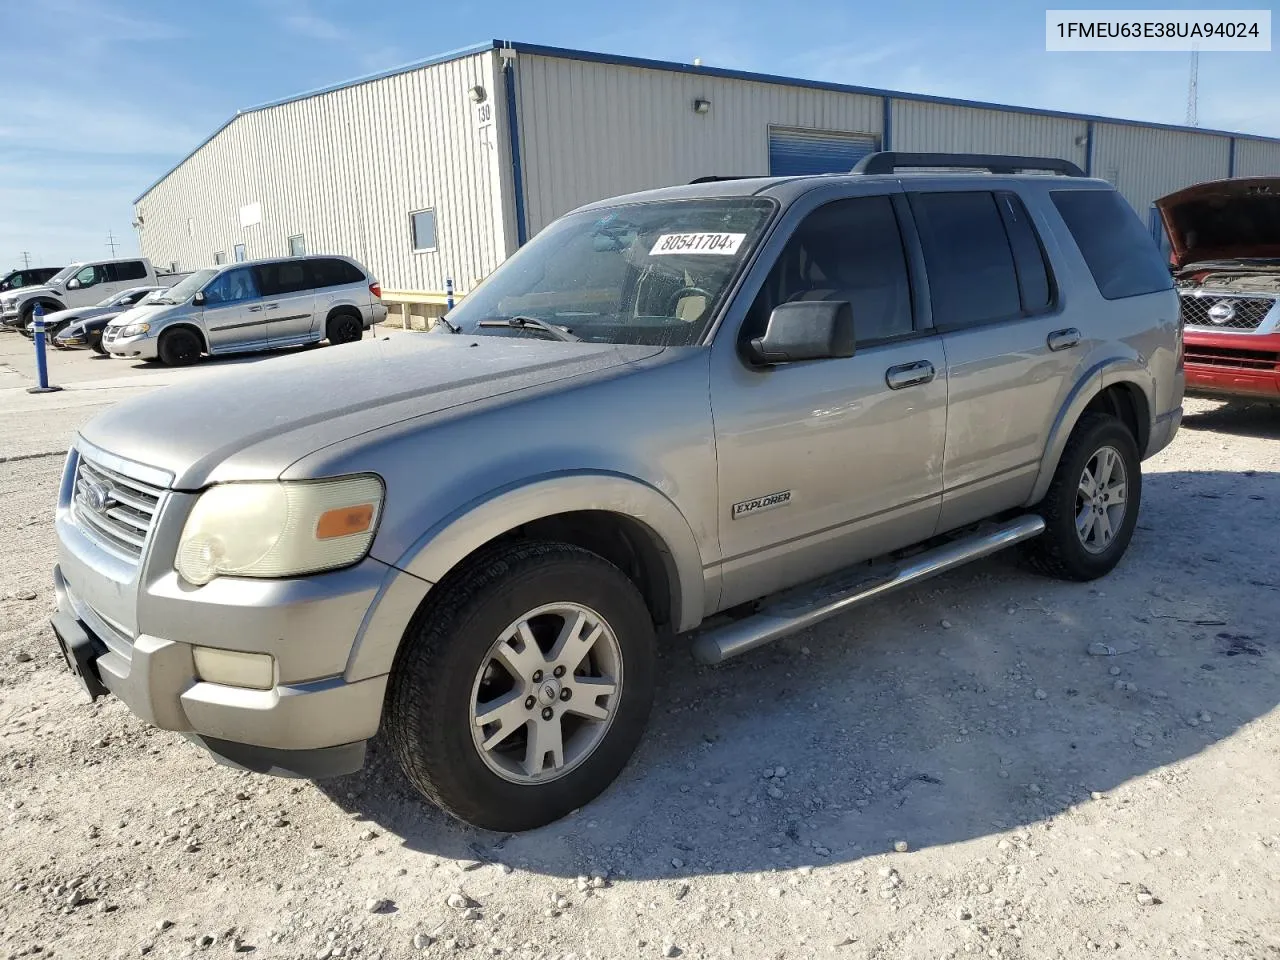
x=972, y=277
x=126, y=270
x=332, y=272
x=287, y=276
x=1118, y=249
x=1035, y=280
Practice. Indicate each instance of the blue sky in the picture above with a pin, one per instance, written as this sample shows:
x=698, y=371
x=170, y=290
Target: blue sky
x=100, y=97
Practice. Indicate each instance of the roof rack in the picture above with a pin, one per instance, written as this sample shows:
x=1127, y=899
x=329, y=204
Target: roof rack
x=744, y=176
x=888, y=161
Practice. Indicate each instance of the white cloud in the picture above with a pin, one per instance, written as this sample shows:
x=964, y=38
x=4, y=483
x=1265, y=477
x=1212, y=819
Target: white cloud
x=313, y=26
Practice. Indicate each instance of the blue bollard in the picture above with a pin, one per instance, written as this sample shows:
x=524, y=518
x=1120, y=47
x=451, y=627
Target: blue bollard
x=42, y=368
x=448, y=293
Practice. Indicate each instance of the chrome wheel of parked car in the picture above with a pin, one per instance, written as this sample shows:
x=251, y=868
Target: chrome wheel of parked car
x=544, y=696
x=509, y=719
x=1100, y=502
x=1091, y=507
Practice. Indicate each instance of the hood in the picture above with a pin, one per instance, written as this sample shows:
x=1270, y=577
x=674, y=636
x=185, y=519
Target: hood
x=78, y=313
x=1233, y=219
x=98, y=321
x=22, y=292
x=141, y=312
x=254, y=420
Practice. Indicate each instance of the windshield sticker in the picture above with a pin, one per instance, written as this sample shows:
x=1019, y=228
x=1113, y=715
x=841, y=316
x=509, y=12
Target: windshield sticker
x=714, y=244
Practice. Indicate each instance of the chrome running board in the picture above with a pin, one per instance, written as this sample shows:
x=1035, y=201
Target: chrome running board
x=790, y=613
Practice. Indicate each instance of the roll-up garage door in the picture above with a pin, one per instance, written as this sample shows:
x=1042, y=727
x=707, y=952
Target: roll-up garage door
x=794, y=152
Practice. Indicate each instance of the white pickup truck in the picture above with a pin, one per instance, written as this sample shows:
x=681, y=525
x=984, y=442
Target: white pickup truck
x=81, y=284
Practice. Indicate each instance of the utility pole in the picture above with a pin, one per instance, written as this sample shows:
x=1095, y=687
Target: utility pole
x=1193, y=89
x=26, y=259
x=111, y=242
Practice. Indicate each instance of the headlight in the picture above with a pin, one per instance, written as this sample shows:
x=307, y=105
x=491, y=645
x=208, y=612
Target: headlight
x=135, y=329
x=279, y=529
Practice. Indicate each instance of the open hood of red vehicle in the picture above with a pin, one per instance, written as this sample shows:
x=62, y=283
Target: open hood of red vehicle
x=1223, y=220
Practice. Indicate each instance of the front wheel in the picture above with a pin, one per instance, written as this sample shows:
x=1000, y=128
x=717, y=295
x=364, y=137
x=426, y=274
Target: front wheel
x=522, y=690
x=1091, y=508
x=95, y=343
x=180, y=347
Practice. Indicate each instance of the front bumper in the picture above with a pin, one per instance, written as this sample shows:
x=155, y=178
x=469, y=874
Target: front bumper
x=1232, y=366
x=314, y=729
x=144, y=348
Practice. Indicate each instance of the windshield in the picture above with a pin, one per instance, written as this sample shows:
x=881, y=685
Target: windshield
x=647, y=273
x=64, y=273
x=184, y=290
x=108, y=301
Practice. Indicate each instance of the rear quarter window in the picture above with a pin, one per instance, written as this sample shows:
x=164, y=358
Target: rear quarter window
x=332, y=272
x=1115, y=245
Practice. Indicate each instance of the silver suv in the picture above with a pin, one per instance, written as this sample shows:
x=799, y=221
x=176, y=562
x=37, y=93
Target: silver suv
x=251, y=306
x=768, y=398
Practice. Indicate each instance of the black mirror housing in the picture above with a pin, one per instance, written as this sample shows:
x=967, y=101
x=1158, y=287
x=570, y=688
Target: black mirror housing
x=198, y=299
x=804, y=330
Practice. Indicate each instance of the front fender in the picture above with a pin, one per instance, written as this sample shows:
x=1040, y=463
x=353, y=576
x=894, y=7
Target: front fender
x=452, y=539
x=1106, y=373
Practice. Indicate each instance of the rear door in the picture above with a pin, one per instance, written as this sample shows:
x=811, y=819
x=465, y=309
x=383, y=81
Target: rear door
x=288, y=301
x=1011, y=355
x=233, y=314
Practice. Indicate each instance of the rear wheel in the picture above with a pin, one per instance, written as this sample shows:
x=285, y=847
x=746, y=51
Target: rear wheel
x=344, y=328
x=1091, y=508
x=180, y=347
x=523, y=689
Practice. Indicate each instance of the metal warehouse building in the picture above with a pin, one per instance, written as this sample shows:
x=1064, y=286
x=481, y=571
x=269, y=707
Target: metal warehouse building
x=442, y=168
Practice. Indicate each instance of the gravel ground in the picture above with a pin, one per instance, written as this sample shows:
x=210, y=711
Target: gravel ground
x=954, y=771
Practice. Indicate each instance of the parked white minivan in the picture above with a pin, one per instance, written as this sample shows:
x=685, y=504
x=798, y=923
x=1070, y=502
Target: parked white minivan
x=259, y=305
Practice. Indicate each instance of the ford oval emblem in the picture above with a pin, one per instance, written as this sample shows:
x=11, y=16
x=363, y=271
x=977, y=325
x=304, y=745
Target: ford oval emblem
x=1224, y=311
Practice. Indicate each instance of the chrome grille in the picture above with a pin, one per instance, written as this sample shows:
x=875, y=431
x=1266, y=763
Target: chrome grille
x=1225, y=313
x=115, y=510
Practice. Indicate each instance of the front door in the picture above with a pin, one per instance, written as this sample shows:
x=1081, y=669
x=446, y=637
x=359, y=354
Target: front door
x=233, y=314
x=829, y=462
x=288, y=301
x=1011, y=355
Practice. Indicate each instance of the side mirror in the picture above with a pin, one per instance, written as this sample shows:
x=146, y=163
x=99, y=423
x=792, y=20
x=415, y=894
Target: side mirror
x=73, y=284
x=198, y=299
x=805, y=330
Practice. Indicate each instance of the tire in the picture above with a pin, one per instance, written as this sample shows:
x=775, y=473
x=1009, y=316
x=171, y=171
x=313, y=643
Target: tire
x=180, y=347
x=1065, y=552
x=447, y=662
x=95, y=344
x=344, y=328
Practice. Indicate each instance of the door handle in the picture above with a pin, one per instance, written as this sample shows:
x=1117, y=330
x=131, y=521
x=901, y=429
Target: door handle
x=909, y=374
x=254, y=309
x=271, y=306
x=1064, y=339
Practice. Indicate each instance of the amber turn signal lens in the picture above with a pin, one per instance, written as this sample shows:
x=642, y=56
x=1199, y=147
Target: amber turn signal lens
x=344, y=521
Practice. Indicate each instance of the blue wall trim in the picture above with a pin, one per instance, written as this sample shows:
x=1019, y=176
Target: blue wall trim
x=513, y=132
x=886, y=125
x=1231, y=158
x=673, y=67
x=1088, y=149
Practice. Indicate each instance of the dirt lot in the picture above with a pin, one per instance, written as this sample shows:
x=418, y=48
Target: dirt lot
x=1053, y=803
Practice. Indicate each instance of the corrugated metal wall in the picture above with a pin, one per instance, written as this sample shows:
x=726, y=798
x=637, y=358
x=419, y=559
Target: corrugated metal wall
x=593, y=130
x=944, y=128
x=1146, y=163
x=1257, y=158
x=345, y=169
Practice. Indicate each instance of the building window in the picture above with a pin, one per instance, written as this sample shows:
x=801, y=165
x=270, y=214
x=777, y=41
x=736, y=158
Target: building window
x=191, y=227
x=297, y=246
x=424, y=230
x=239, y=252
x=219, y=257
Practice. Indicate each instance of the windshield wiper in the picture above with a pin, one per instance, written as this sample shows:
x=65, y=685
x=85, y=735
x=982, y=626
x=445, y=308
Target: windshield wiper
x=532, y=323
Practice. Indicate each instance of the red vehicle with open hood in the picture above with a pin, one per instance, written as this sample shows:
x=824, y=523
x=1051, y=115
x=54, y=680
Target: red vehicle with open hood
x=1225, y=237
